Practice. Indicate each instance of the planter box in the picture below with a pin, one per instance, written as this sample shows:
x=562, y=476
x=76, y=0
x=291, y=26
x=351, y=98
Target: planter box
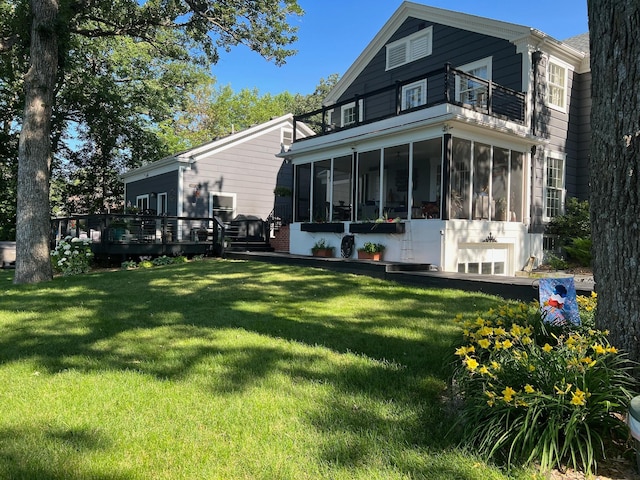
x=323, y=252
x=374, y=227
x=331, y=227
x=370, y=256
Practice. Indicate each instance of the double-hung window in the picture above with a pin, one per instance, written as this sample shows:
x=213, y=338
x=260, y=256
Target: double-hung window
x=351, y=113
x=414, y=95
x=469, y=90
x=554, y=185
x=557, y=85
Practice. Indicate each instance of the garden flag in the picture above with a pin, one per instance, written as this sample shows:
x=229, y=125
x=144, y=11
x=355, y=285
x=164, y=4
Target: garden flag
x=558, y=301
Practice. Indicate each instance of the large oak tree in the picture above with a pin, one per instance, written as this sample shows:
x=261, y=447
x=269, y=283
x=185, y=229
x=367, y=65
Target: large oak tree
x=46, y=29
x=615, y=168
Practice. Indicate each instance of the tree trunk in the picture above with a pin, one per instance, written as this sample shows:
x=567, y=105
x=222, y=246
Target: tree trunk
x=33, y=224
x=614, y=168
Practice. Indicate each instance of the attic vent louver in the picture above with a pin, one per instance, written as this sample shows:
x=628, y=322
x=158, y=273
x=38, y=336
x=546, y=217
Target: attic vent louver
x=397, y=56
x=408, y=49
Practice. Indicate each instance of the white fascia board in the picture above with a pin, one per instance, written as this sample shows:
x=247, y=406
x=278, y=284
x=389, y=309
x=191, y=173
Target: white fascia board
x=486, y=26
x=401, y=128
x=537, y=40
x=166, y=165
x=225, y=143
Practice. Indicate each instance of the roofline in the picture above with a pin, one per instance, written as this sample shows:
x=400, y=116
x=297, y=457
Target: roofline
x=496, y=28
x=190, y=156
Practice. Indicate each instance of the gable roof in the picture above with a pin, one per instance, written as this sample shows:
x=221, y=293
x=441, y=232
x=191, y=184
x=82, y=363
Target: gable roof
x=519, y=35
x=186, y=157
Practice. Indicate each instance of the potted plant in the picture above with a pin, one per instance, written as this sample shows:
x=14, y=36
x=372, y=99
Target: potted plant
x=322, y=249
x=371, y=251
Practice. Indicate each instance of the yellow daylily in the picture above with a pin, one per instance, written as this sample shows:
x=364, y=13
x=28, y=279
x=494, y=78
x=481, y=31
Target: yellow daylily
x=578, y=398
x=484, y=343
x=547, y=348
x=472, y=363
x=508, y=394
x=529, y=389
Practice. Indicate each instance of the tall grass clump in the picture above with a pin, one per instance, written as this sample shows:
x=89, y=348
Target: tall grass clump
x=538, y=393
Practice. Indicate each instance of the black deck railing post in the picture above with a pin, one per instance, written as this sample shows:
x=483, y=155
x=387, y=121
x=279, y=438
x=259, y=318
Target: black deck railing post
x=447, y=73
x=489, y=97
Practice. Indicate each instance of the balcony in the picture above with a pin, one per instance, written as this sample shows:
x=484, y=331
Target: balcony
x=443, y=86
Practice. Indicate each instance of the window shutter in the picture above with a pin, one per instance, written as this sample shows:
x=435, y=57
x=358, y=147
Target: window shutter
x=396, y=55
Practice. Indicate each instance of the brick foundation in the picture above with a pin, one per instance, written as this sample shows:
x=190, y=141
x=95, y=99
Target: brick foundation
x=280, y=242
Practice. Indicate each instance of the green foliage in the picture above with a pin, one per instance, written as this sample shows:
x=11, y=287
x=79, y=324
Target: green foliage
x=575, y=223
x=310, y=374
x=321, y=244
x=163, y=260
x=72, y=256
x=540, y=393
x=146, y=264
x=579, y=250
x=556, y=262
x=129, y=265
x=370, y=247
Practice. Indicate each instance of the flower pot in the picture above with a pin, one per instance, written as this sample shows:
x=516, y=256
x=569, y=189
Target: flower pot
x=323, y=252
x=376, y=257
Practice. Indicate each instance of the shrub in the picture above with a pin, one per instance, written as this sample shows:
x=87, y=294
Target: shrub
x=146, y=264
x=532, y=392
x=163, y=260
x=72, y=256
x=579, y=250
x=128, y=265
x=575, y=223
x=557, y=263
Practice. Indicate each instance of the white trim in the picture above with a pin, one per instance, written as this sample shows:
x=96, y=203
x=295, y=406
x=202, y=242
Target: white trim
x=188, y=157
x=563, y=190
x=159, y=202
x=521, y=36
x=233, y=196
x=484, y=62
x=567, y=68
x=144, y=197
x=407, y=49
x=423, y=92
x=350, y=106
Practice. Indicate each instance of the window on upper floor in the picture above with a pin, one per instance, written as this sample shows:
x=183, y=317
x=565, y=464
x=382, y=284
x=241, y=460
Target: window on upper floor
x=414, y=95
x=351, y=113
x=408, y=49
x=468, y=89
x=557, y=85
x=554, y=185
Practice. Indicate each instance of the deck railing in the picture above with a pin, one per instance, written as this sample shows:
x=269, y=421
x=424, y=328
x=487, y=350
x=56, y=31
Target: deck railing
x=444, y=85
x=153, y=234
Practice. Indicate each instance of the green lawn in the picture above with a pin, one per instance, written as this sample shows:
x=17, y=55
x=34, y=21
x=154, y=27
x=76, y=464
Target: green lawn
x=229, y=370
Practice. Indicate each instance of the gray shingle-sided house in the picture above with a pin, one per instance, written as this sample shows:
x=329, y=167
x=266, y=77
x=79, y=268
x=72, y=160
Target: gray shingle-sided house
x=233, y=175
x=471, y=131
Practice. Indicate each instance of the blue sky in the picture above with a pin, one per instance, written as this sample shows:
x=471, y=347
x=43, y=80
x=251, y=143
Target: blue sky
x=332, y=34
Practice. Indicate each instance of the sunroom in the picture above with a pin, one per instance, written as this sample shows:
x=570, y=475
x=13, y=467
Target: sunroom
x=453, y=175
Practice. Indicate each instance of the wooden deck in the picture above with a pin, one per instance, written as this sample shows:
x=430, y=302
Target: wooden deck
x=120, y=237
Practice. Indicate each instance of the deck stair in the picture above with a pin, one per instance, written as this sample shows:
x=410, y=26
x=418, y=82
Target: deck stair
x=247, y=234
